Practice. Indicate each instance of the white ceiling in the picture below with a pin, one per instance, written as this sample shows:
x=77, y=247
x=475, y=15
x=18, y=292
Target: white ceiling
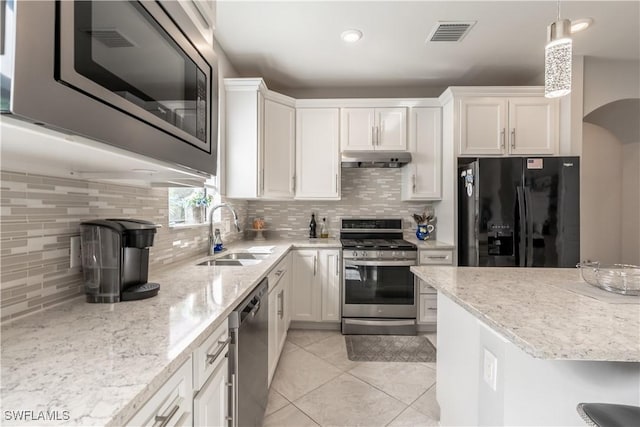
x=296, y=45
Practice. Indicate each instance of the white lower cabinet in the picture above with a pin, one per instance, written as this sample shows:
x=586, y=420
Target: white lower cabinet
x=211, y=379
x=279, y=286
x=211, y=404
x=428, y=296
x=315, y=286
x=172, y=404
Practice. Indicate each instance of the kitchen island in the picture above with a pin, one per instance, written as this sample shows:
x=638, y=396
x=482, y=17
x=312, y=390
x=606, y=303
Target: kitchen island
x=517, y=347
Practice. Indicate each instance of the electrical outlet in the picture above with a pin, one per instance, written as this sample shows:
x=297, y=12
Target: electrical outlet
x=490, y=369
x=227, y=226
x=74, y=259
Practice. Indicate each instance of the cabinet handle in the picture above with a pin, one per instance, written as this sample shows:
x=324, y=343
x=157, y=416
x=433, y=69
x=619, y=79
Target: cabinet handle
x=373, y=135
x=281, y=304
x=437, y=256
x=315, y=264
x=336, y=183
x=502, y=138
x=379, y=132
x=337, y=265
x=164, y=419
x=293, y=184
x=212, y=357
x=513, y=138
x=262, y=183
x=279, y=273
x=413, y=179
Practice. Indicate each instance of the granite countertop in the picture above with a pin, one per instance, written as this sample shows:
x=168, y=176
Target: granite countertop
x=427, y=244
x=534, y=309
x=101, y=362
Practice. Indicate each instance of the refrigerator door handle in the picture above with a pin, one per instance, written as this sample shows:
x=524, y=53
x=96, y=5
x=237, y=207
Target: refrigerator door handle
x=522, y=235
x=527, y=203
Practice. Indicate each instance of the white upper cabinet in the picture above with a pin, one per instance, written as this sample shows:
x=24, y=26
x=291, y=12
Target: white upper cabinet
x=278, y=153
x=260, y=143
x=508, y=126
x=317, y=153
x=533, y=126
x=483, y=126
x=422, y=178
x=374, y=129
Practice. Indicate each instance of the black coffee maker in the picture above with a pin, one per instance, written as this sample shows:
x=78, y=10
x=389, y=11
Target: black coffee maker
x=115, y=259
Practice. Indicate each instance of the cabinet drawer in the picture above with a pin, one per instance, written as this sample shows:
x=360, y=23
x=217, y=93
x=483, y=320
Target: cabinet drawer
x=210, y=353
x=442, y=257
x=428, y=309
x=171, y=404
x=277, y=273
x=426, y=289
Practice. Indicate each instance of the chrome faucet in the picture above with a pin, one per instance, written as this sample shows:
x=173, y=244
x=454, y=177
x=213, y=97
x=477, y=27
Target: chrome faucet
x=235, y=221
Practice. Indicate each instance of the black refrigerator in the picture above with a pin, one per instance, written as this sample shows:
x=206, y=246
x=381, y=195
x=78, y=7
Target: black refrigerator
x=519, y=212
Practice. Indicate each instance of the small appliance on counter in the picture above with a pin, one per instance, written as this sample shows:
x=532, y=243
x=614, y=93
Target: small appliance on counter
x=115, y=259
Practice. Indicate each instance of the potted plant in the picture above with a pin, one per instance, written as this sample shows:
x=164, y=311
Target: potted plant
x=199, y=202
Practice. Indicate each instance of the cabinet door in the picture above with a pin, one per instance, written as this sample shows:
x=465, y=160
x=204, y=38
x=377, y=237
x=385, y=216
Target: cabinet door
x=356, y=129
x=391, y=129
x=329, y=267
x=317, y=153
x=483, y=126
x=244, y=117
x=281, y=319
x=423, y=176
x=173, y=401
x=210, y=407
x=278, y=151
x=274, y=306
x=305, y=293
x=533, y=126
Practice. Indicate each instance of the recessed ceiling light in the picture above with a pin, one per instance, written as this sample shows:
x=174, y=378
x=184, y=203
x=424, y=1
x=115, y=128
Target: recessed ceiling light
x=351, y=36
x=578, y=25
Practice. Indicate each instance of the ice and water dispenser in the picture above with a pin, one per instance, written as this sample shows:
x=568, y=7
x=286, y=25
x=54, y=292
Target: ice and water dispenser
x=115, y=259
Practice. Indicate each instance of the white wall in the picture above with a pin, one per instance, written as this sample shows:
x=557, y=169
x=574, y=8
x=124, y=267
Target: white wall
x=630, y=203
x=609, y=80
x=601, y=201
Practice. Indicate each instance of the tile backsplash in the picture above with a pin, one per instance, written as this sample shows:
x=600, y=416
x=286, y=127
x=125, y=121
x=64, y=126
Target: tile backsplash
x=365, y=193
x=39, y=216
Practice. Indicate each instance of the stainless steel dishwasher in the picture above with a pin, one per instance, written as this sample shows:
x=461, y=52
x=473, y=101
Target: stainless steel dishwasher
x=249, y=329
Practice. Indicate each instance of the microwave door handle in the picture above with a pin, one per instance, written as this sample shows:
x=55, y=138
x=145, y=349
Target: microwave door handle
x=522, y=232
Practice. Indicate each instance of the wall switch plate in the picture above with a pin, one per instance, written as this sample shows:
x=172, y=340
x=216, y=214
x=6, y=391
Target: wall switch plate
x=74, y=259
x=490, y=369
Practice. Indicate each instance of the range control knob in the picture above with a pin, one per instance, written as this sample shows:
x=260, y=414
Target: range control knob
x=363, y=254
x=355, y=254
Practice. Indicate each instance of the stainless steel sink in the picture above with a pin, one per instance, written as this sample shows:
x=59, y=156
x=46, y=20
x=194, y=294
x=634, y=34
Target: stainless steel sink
x=237, y=259
x=241, y=255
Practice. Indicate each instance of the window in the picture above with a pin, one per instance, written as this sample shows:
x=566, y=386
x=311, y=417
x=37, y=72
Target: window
x=190, y=206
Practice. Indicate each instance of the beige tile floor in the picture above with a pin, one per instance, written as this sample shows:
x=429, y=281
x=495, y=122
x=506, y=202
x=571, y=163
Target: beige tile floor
x=315, y=384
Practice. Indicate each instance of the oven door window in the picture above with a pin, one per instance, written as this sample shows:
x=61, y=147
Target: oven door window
x=119, y=53
x=378, y=285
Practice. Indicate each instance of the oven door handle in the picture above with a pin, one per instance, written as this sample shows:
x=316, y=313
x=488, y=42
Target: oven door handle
x=355, y=263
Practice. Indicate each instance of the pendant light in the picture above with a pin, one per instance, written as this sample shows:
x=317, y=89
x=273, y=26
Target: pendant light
x=557, y=58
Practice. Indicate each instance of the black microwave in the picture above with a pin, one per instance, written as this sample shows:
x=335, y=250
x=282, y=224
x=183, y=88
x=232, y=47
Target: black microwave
x=121, y=72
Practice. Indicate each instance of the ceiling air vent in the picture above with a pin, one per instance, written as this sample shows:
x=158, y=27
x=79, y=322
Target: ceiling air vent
x=110, y=37
x=450, y=31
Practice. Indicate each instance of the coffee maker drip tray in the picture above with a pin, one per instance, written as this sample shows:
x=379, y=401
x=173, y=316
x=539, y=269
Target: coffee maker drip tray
x=141, y=291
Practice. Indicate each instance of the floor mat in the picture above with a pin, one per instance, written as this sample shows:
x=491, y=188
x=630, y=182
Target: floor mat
x=389, y=348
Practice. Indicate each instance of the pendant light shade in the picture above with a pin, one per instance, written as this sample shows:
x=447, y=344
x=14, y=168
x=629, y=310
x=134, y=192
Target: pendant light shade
x=557, y=59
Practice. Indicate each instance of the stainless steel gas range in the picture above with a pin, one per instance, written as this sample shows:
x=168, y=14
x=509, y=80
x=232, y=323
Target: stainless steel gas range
x=378, y=290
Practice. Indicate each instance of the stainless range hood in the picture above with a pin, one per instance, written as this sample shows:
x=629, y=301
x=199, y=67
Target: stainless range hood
x=378, y=159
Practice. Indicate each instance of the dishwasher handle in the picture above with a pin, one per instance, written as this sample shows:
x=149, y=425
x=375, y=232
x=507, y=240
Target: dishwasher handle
x=248, y=309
